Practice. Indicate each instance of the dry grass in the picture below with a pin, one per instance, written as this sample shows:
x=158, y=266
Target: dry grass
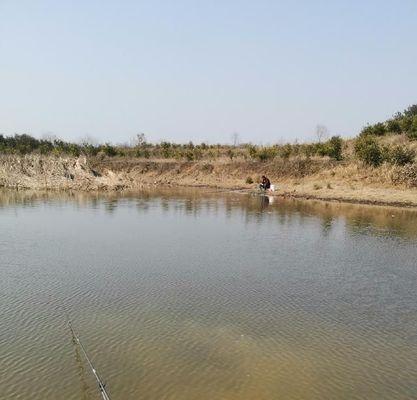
x=312, y=178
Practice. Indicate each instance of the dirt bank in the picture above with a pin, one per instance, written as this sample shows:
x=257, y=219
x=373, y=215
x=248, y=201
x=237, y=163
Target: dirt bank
x=302, y=178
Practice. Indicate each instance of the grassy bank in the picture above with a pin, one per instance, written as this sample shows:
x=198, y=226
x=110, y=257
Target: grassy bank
x=307, y=178
x=378, y=166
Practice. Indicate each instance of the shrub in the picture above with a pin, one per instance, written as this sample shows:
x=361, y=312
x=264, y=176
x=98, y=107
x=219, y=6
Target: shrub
x=266, y=153
x=166, y=149
x=142, y=153
x=401, y=155
x=45, y=147
x=309, y=150
x=377, y=129
x=24, y=144
x=332, y=148
x=411, y=111
x=321, y=149
x=189, y=155
x=285, y=151
x=412, y=131
x=368, y=150
x=335, y=148
x=89, y=149
x=108, y=150
x=249, y=180
x=73, y=150
x=406, y=124
x=393, y=125
x=252, y=150
x=366, y=130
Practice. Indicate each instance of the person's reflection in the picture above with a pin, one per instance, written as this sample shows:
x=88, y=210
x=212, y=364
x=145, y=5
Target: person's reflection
x=264, y=202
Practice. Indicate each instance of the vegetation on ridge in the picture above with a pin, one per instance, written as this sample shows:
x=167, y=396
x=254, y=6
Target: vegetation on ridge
x=369, y=147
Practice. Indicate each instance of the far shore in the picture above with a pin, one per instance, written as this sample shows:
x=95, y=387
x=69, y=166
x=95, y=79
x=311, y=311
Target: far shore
x=320, y=179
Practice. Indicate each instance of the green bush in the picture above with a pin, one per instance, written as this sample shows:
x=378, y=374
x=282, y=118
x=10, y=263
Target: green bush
x=89, y=149
x=252, y=150
x=249, y=180
x=411, y=111
x=73, y=150
x=406, y=124
x=45, y=147
x=145, y=153
x=368, y=150
x=377, y=129
x=266, y=153
x=401, y=155
x=24, y=144
x=166, y=150
x=332, y=148
x=402, y=122
x=321, y=149
x=335, y=145
x=412, y=131
x=394, y=126
x=109, y=150
x=189, y=155
x=309, y=150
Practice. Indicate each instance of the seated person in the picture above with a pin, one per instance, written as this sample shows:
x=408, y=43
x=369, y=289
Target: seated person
x=265, y=183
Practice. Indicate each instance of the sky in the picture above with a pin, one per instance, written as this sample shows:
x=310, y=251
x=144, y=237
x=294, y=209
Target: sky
x=184, y=70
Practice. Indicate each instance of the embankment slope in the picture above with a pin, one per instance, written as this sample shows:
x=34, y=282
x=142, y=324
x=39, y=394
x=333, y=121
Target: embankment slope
x=299, y=177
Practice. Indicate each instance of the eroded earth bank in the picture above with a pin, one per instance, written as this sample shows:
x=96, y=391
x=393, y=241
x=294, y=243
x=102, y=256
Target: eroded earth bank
x=305, y=178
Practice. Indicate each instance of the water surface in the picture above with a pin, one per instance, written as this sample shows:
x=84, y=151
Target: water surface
x=201, y=295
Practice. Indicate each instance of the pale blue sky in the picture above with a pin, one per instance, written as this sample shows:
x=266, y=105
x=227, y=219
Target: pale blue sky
x=201, y=70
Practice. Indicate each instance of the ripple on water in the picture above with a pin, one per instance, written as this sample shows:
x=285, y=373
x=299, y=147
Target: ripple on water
x=181, y=299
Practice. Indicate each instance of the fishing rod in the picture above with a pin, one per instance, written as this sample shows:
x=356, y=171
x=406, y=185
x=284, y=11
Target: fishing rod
x=101, y=385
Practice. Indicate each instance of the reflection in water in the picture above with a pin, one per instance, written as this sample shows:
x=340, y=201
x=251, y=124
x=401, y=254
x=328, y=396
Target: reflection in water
x=205, y=295
x=358, y=218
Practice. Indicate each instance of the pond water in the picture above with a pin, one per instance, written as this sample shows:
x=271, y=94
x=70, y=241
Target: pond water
x=203, y=295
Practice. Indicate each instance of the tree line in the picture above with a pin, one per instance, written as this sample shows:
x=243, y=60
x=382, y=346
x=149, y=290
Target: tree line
x=367, y=146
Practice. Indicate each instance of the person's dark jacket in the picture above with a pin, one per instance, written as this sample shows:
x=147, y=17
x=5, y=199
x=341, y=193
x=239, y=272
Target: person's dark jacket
x=266, y=183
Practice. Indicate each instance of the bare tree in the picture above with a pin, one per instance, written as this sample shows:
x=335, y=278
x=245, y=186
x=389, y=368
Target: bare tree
x=235, y=139
x=322, y=133
x=139, y=140
x=49, y=136
x=88, y=140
